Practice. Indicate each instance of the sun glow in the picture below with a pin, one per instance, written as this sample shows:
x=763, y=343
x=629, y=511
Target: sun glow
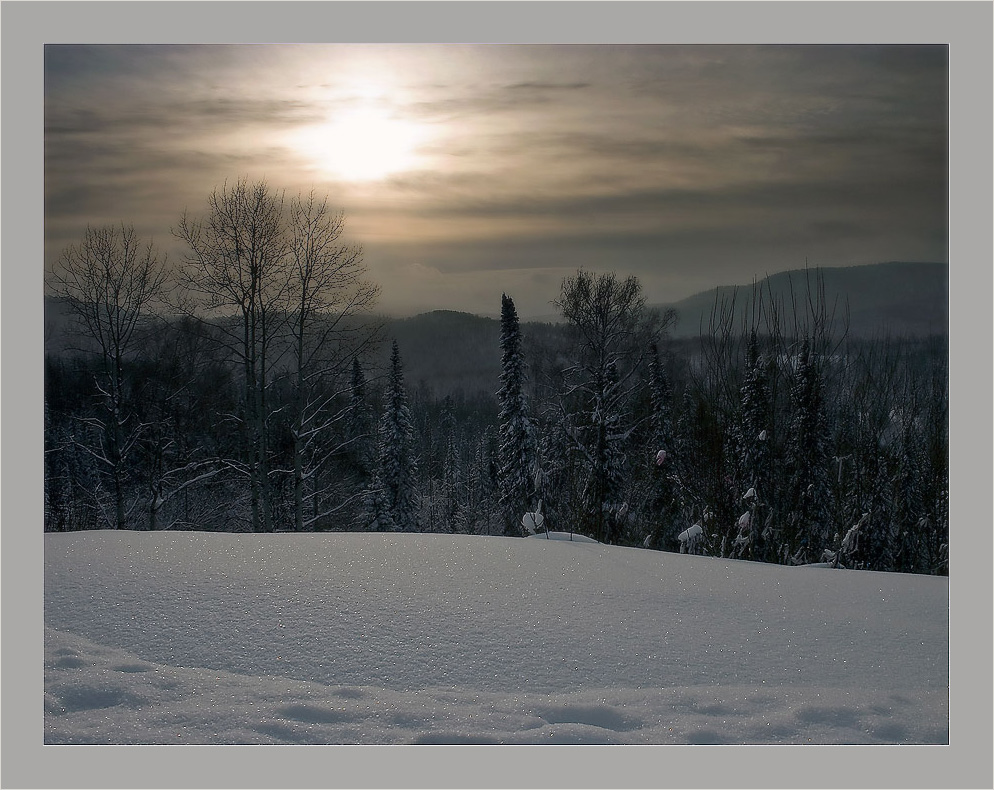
x=365, y=144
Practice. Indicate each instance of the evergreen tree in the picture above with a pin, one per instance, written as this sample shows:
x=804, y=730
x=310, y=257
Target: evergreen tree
x=754, y=435
x=701, y=468
x=604, y=490
x=808, y=530
x=517, y=443
x=376, y=515
x=907, y=506
x=397, y=472
x=482, y=484
x=560, y=496
x=685, y=472
x=660, y=402
x=873, y=544
x=453, y=485
x=664, y=501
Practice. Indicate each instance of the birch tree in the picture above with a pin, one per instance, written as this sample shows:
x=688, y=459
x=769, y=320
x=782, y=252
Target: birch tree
x=330, y=326
x=238, y=274
x=612, y=331
x=110, y=280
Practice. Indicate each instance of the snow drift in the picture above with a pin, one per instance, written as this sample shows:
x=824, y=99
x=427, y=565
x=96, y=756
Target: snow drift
x=389, y=638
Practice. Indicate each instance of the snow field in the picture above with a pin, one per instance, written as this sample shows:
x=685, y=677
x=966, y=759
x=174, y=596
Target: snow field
x=103, y=695
x=391, y=638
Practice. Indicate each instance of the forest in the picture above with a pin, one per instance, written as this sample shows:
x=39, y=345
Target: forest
x=252, y=387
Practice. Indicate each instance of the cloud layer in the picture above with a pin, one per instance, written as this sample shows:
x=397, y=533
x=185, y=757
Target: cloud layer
x=687, y=165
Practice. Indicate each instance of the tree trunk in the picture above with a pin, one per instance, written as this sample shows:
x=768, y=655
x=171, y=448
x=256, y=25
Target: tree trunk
x=298, y=483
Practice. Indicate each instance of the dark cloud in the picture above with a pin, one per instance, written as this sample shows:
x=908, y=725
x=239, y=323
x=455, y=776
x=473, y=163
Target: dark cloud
x=548, y=86
x=193, y=116
x=711, y=207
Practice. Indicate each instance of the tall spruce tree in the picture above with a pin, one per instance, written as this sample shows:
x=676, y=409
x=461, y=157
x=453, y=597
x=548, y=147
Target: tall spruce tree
x=664, y=501
x=376, y=514
x=453, y=486
x=754, y=436
x=517, y=443
x=392, y=498
x=487, y=516
x=907, y=505
x=603, y=493
x=808, y=531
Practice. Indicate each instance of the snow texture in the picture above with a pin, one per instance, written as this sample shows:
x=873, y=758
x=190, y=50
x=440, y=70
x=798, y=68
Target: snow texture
x=394, y=638
x=532, y=522
x=691, y=532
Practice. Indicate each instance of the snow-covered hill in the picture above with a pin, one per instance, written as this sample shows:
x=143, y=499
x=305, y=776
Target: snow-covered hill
x=387, y=638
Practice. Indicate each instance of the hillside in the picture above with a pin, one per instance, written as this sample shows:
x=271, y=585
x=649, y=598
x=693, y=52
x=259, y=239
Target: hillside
x=451, y=351
x=447, y=352
x=896, y=298
x=180, y=637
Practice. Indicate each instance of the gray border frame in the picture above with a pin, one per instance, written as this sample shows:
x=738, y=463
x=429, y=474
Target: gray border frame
x=965, y=26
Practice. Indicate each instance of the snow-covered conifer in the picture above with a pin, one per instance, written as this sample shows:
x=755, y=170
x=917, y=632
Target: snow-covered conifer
x=482, y=486
x=907, y=507
x=453, y=484
x=663, y=499
x=753, y=444
x=376, y=515
x=603, y=492
x=660, y=402
x=397, y=472
x=808, y=461
x=517, y=444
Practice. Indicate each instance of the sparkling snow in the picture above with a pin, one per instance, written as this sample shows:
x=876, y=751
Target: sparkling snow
x=386, y=638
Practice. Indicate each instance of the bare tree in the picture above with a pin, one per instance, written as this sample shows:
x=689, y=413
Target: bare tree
x=330, y=327
x=182, y=381
x=110, y=280
x=238, y=274
x=287, y=296
x=614, y=331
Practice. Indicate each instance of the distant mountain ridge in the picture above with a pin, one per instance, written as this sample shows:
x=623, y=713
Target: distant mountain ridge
x=897, y=298
x=449, y=351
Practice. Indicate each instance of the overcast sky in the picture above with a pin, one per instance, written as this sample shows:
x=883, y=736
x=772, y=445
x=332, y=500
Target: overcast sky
x=468, y=171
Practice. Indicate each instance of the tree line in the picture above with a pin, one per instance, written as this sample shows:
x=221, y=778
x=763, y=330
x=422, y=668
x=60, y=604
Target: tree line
x=242, y=390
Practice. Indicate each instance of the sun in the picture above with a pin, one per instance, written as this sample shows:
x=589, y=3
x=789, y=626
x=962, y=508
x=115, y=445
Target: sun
x=363, y=144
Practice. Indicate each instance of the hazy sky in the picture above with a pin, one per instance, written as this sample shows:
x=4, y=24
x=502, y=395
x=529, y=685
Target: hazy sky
x=467, y=171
